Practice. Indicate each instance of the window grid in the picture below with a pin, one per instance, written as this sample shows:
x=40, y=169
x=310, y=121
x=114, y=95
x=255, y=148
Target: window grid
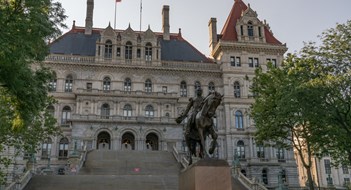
x=183, y=89
x=239, y=120
x=127, y=85
x=106, y=84
x=237, y=92
x=68, y=84
x=148, y=86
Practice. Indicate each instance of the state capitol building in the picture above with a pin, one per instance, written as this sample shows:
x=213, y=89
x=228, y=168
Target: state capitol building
x=121, y=89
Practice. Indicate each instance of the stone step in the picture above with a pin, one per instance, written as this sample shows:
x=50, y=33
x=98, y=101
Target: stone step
x=105, y=182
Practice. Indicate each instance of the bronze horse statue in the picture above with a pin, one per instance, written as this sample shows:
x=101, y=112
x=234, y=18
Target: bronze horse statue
x=203, y=126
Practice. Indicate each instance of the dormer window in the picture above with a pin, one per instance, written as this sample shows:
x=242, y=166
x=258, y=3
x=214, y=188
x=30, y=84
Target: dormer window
x=250, y=32
x=108, y=49
x=128, y=52
x=148, y=52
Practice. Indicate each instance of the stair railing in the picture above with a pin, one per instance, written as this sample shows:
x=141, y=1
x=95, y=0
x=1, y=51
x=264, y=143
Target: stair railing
x=250, y=184
x=21, y=183
x=82, y=158
x=181, y=158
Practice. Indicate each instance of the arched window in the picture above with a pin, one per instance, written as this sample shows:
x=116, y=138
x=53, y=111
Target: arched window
x=127, y=85
x=69, y=83
x=250, y=31
x=149, y=111
x=53, y=83
x=128, y=50
x=66, y=115
x=211, y=87
x=148, y=85
x=183, y=89
x=240, y=149
x=265, y=176
x=51, y=110
x=148, y=52
x=108, y=49
x=63, y=148
x=239, y=120
x=106, y=84
x=237, y=92
x=46, y=148
x=197, y=85
x=127, y=111
x=105, y=111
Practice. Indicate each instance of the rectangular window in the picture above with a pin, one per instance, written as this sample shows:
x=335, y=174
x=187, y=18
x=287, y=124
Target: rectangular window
x=327, y=166
x=347, y=181
x=232, y=61
x=242, y=30
x=164, y=89
x=280, y=153
x=250, y=62
x=89, y=86
x=138, y=53
x=256, y=63
x=272, y=61
x=118, y=52
x=345, y=169
x=260, y=151
x=259, y=32
x=235, y=61
x=52, y=85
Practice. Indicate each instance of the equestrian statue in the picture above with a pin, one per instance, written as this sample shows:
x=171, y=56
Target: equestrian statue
x=200, y=122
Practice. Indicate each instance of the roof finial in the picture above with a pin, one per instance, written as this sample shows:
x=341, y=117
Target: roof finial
x=74, y=24
x=148, y=27
x=180, y=32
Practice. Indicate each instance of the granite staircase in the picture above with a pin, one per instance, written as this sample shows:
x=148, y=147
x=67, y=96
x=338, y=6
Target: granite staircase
x=117, y=170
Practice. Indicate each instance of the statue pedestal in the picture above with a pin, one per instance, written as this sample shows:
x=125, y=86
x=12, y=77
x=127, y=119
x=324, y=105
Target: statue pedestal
x=206, y=174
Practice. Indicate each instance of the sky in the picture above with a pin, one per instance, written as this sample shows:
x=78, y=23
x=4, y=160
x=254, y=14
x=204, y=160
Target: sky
x=291, y=21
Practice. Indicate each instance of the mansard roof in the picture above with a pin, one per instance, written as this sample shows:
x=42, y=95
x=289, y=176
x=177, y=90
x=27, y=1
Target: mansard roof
x=229, y=33
x=75, y=42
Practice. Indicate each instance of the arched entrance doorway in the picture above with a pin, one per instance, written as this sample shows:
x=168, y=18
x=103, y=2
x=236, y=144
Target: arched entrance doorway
x=128, y=141
x=103, y=141
x=151, y=141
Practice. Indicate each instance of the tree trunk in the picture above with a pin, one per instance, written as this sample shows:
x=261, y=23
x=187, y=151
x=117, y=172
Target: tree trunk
x=309, y=178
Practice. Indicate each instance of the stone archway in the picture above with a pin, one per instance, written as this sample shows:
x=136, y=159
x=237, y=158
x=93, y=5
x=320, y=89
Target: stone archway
x=151, y=141
x=103, y=141
x=128, y=141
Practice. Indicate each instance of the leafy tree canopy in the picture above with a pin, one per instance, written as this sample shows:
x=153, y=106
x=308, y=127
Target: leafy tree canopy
x=26, y=27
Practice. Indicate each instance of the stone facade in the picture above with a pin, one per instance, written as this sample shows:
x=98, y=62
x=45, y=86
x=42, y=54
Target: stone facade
x=122, y=89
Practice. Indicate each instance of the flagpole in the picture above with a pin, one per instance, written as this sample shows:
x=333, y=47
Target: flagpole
x=114, y=26
x=141, y=8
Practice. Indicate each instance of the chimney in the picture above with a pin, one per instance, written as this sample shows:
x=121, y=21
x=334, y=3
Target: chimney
x=89, y=17
x=212, y=26
x=165, y=22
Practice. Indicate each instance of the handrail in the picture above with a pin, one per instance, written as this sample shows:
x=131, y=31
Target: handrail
x=250, y=184
x=21, y=183
x=82, y=159
x=180, y=158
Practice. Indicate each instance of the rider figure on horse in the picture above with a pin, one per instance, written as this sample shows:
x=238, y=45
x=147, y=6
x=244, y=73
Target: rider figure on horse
x=195, y=104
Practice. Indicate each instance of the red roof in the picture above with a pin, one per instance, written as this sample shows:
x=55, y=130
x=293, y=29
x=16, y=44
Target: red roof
x=229, y=33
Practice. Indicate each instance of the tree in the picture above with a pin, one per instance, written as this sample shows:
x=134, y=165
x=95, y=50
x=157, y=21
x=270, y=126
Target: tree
x=306, y=102
x=334, y=53
x=26, y=27
x=286, y=107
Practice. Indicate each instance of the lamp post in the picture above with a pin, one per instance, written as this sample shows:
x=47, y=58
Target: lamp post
x=49, y=157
